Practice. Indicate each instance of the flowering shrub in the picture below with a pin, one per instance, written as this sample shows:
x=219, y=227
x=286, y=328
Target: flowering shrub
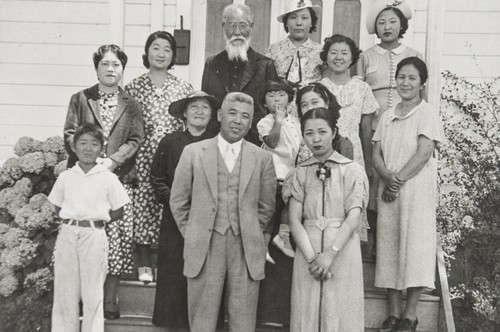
x=469, y=211
x=28, y=228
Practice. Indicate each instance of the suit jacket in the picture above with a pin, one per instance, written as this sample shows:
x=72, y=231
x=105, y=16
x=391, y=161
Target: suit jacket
x=127, y=132
x=258, y=70
x=193, y=201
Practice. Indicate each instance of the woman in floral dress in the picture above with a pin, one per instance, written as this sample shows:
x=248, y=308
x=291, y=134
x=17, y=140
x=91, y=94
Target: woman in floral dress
x=326, y=195
x=359, y=105
x=154, y=91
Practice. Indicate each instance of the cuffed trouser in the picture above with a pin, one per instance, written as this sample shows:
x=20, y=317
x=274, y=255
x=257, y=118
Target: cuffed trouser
x=225, y=264
x=80, y=266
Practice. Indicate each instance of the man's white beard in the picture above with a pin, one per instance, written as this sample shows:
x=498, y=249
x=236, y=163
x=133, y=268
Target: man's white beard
x=237, y=52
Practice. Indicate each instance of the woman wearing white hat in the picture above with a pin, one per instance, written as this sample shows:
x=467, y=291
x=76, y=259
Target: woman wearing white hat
x=297, y=57
x=388, y=19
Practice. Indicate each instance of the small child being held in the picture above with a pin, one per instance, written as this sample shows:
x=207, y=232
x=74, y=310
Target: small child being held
x=86, y=196
x=280, y=132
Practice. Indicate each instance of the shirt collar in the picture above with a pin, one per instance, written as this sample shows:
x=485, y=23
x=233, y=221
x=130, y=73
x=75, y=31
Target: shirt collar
x=307, y=44
x=392, y=113
x=96, y=169
x=335, y=157
x=222, y=144
x=382, y=51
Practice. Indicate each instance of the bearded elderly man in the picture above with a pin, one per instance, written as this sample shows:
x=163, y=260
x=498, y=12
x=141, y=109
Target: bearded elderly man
x=239, y=67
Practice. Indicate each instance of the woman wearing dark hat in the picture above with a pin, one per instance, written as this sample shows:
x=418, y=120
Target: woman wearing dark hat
x=388, y=19
x=297, y=57
x=197, y=110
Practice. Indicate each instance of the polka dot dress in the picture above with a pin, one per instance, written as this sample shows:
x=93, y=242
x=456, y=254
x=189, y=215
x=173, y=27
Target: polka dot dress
x=157, y=122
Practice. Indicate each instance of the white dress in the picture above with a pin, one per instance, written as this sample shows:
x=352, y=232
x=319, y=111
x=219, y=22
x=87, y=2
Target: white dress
x=406, y=234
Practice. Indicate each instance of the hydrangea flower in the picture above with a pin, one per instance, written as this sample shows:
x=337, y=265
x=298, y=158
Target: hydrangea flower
x=12, y=237
x=19, y=256
x=51, y=159
x=41, y=280
x=53, y=144
x=15, y=197
x=37, y=214
x=27, y=145
x=10, y=172
x=8, y=285
x=33, y=162
x=61, y=167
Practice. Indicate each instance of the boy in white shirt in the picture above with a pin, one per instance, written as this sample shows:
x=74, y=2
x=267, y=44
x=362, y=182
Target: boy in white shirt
x=280, y=132
x=86, y=196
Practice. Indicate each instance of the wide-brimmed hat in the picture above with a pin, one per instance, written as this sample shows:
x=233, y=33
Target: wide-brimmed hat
x=294, y=5
x=178, y=107
x=379, y=6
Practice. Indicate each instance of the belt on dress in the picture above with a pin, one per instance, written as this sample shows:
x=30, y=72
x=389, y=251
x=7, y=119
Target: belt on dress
x=84, y=223
x=323, y=222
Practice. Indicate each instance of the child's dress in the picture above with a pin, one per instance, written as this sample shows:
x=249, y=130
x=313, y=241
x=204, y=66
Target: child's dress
x=341, y=297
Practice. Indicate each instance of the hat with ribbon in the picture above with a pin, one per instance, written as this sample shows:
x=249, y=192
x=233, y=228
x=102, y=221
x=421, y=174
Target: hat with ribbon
x=177, y=108
x=381, y=5
x=294, y=5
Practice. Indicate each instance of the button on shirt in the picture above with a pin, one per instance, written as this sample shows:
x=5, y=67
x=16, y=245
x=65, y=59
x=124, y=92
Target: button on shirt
x=88, y=196
x=229, y=151
x=235, y=69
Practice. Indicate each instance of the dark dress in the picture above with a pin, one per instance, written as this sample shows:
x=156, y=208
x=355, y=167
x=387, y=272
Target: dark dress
x=171, y=286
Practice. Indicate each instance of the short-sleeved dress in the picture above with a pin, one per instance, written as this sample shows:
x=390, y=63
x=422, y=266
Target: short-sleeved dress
x=157, y=122
x=356, y=99
x=342, y=306
x=377, y=67
x=406, y=236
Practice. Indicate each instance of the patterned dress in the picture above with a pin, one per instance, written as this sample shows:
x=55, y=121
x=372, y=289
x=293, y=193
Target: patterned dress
x=356, y=99
x=119, y=232
x=406, y=234
x=300, y=65
x=342, y=307
x=157, y=122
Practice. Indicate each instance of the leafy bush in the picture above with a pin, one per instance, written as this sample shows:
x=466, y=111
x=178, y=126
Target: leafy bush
x=469, y=211
x=28, y=229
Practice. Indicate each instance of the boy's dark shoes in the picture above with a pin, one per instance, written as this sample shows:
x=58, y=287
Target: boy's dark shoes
x=111, y=311
x=390, y=324
x=407, y=325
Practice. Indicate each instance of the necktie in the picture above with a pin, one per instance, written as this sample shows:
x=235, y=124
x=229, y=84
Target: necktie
x=229, y=158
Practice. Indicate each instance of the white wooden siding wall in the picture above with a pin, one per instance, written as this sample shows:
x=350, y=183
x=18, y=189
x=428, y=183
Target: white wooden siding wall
x=46, y=55
x=47, y=45
x=471, y=37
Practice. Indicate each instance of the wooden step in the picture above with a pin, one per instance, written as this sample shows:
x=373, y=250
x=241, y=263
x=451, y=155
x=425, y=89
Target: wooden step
x=143, y=324
x=137, y=300
x=376, y=310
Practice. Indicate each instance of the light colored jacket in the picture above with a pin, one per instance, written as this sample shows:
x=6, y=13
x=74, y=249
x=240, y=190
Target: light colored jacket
x=193, y=201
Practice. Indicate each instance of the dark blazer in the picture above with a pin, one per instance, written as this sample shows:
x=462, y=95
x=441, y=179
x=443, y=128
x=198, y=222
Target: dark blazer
x=193, y=201
x=127, y=132
x=258, y=70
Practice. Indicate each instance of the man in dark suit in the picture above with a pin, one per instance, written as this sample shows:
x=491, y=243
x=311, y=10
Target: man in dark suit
x=239, y=67
x=222, y=199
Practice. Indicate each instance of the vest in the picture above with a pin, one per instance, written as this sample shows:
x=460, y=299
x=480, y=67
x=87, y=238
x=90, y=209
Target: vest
x=227, y=186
